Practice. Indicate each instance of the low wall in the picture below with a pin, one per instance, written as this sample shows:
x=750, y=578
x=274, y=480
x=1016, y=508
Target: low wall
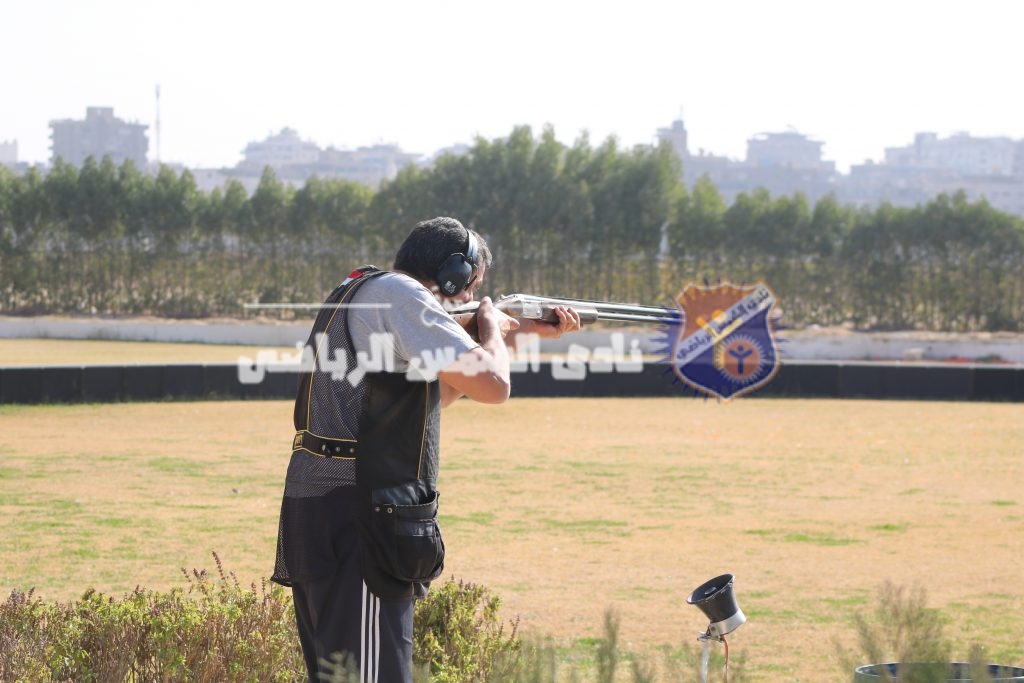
x=793, y=345
x=190, y=331
x=74, y=384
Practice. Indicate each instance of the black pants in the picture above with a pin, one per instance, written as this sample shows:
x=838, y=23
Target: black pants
x=339, y=614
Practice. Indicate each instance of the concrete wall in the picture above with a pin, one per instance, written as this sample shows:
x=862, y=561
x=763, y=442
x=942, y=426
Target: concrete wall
x=73, y=384
x=804, y=345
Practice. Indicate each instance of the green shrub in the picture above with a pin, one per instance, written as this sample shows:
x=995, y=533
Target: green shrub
x=27, y=627
x=213, y=630
x=458, y=635
x=904, y=630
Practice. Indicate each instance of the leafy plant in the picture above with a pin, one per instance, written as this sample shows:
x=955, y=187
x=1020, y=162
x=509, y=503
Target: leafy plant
x=904, y=631
x=213, y=630
x=458, y=635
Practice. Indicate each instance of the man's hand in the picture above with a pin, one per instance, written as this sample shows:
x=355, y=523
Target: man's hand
x=568, y=321
x=491, y=323
x=471, y=321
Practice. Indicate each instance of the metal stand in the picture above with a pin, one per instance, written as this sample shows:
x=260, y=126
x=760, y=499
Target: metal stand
x=705, y=655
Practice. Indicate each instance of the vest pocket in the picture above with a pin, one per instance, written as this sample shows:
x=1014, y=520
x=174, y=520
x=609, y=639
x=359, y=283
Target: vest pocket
x=406, y=541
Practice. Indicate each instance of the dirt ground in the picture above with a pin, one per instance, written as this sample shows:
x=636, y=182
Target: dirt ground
x=568, y=508
x=103, y=352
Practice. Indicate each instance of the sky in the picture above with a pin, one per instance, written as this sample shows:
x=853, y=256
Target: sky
x=858, y=76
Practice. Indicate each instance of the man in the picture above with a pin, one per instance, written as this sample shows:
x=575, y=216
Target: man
x=358, y=539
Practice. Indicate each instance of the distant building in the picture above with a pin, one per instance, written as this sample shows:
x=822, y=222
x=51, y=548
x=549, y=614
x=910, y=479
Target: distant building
x=284, y=149
x=1001, y=192
x=459, y=149
x=786, y=150
x=367, y=165
x=100, y=134
x=207, y=179
x=784, y=163
x=983, y=168
x=698, y=165
x=677, y=137
x=961, y=154
x=295, y=160
x=9, y=153
x=781, y=163
x=871, y=183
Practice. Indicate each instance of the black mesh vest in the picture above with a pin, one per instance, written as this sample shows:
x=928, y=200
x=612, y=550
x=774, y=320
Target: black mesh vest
x=361, y=438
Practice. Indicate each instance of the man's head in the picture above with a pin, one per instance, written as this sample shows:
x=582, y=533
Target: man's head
x=441, y=251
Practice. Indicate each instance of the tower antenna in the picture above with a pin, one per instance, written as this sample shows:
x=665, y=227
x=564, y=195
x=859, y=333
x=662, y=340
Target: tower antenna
x=158, y=124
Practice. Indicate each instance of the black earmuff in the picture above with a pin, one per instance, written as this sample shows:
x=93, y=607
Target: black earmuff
x=458, y=271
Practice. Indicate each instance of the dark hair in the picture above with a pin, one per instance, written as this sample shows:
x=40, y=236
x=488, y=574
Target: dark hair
x=433, y=241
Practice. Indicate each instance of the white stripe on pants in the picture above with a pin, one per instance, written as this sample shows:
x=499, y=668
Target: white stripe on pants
x=370, y=640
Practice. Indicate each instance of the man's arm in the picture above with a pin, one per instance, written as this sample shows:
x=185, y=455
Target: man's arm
x=482, y=373
x=568, y=321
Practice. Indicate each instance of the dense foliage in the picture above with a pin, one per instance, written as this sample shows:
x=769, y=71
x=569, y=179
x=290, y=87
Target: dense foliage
x=575, y=221
x=217, y=630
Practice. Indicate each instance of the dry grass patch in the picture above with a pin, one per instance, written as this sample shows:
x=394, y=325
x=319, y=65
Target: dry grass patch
x=99, y=352
x=569, y=507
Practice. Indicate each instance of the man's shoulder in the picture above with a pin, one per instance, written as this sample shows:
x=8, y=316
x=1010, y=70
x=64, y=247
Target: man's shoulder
x=396, y=300
x=391, y=282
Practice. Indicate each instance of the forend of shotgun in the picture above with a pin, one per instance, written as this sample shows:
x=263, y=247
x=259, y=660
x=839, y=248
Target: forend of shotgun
x=532, y=307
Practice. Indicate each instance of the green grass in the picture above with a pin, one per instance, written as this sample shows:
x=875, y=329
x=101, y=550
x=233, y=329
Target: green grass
x=176, y=467
x=480, y=519
x=579, y=516
x=802, y=537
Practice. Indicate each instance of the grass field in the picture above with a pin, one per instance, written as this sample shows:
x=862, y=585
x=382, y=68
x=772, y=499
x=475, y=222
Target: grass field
x=566, y=508
x=100, y=352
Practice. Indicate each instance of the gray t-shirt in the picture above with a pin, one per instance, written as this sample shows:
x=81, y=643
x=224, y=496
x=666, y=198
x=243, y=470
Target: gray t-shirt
x=396, y=319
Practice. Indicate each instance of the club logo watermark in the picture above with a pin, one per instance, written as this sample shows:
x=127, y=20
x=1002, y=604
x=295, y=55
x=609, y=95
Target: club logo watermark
x=723, y=344
x=719, y=341
x=617, y=356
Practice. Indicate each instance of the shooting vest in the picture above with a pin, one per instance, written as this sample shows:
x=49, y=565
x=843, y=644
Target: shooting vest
x=364, y=457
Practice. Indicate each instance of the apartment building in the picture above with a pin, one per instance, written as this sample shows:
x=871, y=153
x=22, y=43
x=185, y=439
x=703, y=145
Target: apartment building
x=782, y=163
x=990, y=169
x=9, y=153
x=295, y=160
x=99, y=134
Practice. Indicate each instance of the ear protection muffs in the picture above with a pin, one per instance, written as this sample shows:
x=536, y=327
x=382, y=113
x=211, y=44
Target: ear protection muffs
x=458, y=271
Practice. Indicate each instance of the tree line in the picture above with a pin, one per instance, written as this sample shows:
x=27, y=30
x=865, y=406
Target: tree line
x=582, y=221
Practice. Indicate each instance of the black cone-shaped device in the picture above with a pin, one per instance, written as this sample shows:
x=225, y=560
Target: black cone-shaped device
x=716, y=600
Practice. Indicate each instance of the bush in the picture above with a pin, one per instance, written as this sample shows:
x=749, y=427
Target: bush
x=904, y=630
x=458, y=635
x=214, y=630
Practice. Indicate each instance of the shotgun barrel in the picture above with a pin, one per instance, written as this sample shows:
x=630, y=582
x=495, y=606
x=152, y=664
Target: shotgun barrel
x=543, y=308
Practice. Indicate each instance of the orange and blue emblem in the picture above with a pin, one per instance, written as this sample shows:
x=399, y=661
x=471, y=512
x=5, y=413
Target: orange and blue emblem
x=723, y=344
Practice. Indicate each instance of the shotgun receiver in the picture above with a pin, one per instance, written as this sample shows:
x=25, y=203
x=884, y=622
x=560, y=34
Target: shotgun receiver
x=543, y=308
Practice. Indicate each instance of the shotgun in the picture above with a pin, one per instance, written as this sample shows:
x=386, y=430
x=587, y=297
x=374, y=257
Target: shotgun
x=543, y=308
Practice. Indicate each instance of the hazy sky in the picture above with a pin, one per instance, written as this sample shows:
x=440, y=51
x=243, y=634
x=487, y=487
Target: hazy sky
x=857, y=75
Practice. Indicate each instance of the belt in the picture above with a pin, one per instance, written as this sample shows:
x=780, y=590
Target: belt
x=328, y=448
